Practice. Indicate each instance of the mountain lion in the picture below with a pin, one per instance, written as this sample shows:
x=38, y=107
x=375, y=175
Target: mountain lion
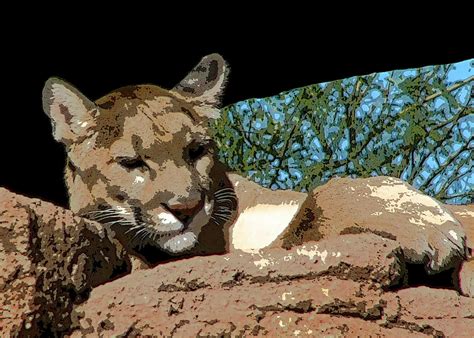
x=142, y=160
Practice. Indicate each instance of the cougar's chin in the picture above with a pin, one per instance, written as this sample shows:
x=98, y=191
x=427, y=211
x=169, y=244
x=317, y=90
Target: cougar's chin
x=179, y=243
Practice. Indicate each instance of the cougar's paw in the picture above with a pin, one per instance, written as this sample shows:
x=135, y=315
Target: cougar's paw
x=438, y=247
x=425, y=229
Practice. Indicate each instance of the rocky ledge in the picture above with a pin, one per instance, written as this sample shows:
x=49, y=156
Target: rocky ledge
x=59, y=275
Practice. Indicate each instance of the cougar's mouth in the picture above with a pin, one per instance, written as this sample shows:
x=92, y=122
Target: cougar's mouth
x=187, y=216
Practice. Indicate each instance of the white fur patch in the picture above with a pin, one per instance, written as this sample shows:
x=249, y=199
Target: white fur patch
x=398, y=198
x=167, y=218
x=181, y=242
x=167, y=222
x=258, y=226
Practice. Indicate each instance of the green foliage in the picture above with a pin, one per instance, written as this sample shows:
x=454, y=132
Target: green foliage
x=411, y=124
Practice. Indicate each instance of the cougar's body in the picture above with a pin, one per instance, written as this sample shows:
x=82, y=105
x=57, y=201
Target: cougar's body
x=142, y=161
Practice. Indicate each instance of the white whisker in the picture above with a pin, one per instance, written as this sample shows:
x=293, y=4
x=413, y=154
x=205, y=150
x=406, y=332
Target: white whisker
x=133, y=228
x=138, y=233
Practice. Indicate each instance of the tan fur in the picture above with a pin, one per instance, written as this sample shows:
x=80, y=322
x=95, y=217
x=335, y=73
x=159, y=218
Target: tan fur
x=141, y=160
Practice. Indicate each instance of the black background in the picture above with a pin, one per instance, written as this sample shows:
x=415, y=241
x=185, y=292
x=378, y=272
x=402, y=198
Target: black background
x=262, y=63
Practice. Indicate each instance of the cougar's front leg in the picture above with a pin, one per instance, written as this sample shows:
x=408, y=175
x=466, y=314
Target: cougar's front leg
x=425, y=230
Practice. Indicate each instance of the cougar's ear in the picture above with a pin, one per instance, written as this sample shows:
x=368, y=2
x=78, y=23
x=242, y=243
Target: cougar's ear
x=72, y=114
x=204, y=85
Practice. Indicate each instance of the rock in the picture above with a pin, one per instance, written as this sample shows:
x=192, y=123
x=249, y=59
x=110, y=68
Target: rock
x=437, y=312
x=54, y=268
x=333, y=287
x=49, y=260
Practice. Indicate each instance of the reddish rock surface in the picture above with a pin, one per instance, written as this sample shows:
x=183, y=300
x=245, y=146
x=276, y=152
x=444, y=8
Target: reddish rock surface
x=331, y=287
x=49, y=260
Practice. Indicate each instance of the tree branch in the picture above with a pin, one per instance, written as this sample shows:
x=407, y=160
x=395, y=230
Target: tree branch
x=376, y=131
x=442, y=193
x=449, y=89
x=441, y=168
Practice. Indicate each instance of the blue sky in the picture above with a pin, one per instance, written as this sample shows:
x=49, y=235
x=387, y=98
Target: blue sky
x=461, y=70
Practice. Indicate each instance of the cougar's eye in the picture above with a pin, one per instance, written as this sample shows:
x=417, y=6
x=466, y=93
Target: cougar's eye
x=131, y=163
x=197, y=150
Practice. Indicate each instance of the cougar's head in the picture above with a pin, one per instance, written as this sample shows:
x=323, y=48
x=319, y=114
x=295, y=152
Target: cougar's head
x=142, y=159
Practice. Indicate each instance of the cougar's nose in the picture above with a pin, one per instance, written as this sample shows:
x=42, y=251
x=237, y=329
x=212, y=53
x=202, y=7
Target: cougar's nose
x=184, y=212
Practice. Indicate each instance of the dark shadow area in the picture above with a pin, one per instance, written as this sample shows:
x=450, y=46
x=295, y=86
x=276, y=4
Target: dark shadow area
x=154, y=256
x=417, y=276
